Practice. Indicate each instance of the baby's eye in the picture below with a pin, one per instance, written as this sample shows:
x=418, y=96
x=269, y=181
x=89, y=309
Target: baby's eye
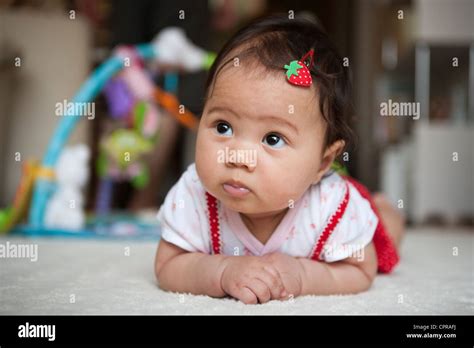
x=274, y=140
x=223, y=128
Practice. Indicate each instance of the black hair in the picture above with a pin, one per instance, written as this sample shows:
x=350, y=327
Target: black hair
x=276, y=40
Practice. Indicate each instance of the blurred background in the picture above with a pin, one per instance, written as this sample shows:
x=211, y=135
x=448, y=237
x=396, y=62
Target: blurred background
x=398, y=51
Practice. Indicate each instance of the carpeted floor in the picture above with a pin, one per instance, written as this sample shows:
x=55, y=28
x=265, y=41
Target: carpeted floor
x=97, y=277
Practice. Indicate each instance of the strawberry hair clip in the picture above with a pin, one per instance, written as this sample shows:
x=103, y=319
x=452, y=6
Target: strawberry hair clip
x=298, y=71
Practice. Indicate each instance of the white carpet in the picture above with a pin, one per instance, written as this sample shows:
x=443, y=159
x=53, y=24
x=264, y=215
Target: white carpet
x=103, y=280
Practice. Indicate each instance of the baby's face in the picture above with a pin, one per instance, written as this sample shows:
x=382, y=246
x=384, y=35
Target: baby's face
x=260, y=141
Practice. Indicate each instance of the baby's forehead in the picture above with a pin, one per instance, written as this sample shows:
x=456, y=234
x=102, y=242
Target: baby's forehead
x=253, y=88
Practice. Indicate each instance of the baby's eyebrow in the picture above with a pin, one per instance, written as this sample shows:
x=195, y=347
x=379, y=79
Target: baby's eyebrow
x=261, y=118
x=280, y=120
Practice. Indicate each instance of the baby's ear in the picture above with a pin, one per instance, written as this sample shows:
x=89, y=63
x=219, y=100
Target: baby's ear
x=328, y=158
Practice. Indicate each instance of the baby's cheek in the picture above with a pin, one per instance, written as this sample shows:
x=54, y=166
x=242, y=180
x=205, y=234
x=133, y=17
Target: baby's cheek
x=294, y=178
x=206, y=159
x=284, y=189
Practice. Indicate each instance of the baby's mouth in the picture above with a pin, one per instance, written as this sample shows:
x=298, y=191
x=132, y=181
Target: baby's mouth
x=235, y=188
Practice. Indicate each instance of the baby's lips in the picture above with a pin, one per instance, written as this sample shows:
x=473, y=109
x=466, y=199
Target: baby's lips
x=236, y=191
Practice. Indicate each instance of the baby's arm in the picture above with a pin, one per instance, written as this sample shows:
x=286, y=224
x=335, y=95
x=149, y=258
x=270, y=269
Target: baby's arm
x=343, y=277
x=181, y=271
x=248, y=278
x=302, y=276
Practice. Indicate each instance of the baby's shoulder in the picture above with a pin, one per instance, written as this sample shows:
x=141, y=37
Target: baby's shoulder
x=187, y=195
x=190, y=175
x=326, y=196
x=327, y=192
x=183, y=215
x=189, y=183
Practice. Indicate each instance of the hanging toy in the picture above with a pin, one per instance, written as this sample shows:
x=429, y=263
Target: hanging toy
x=133, y=74
x=125, y=146
x=146, y=119
x=138, y=82
x=298, y=72
x=119, y=99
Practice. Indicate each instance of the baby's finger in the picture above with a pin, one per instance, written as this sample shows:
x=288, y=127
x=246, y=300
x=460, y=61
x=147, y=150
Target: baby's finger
x=260, y=289
x=272, y=278
x=246, y=295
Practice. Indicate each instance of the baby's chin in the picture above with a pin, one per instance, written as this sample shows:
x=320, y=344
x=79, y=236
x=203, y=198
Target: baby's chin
x=249, y=205
x=246, y=204
x=243, y=206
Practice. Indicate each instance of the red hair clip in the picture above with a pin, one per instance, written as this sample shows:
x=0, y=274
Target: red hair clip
x=297, y=72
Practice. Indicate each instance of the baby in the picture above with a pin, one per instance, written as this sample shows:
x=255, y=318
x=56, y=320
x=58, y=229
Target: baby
x=261, y=216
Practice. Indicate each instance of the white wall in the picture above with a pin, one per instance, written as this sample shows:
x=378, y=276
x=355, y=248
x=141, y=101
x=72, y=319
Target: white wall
x=444, y=21
x=55, y=53
x=441, y=185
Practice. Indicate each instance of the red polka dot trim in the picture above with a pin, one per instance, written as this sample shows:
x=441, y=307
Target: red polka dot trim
x=214, y=223
x=331, y=225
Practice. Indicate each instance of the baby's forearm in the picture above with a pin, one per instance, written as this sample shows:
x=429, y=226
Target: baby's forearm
x=194, y=273
x=320, y=278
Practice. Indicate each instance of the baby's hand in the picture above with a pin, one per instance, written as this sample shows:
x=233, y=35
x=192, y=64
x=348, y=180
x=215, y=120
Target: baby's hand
x=252, y=279
x=290, y=270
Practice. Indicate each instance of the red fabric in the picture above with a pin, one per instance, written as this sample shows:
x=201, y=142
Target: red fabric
x=387, y=255
x=214, y=223
x=332, y=223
